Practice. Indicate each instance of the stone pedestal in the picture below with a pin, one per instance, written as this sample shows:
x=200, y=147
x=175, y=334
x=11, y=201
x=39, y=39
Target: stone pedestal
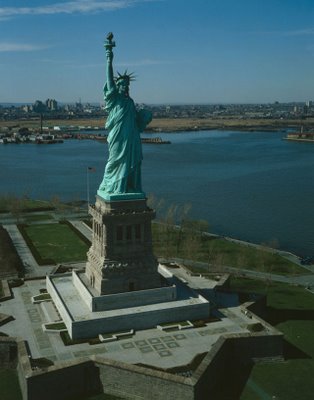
x=121, y=257
x=122, y=287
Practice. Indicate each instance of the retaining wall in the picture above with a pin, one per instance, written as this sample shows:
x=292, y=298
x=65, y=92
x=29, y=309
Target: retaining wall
x=135, y=382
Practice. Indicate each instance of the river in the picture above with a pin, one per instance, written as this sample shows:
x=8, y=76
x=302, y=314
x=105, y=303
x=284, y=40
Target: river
x=252, y=186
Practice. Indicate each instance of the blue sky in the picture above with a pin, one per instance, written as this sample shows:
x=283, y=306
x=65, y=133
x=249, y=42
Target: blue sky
x=182, y=51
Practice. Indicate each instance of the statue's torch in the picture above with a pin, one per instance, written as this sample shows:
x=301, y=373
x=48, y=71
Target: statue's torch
x=109, y=43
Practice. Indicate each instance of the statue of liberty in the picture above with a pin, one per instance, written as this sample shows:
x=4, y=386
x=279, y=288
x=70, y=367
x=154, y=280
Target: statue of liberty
x=122, y=177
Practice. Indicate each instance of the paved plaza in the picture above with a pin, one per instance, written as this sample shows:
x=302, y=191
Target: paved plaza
x=151, y=347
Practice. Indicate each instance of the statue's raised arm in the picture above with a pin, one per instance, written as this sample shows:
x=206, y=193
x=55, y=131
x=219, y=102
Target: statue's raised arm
x=109, y=44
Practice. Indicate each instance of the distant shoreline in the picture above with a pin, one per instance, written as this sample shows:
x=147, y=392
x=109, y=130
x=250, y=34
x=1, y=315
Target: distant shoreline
x=175, y=124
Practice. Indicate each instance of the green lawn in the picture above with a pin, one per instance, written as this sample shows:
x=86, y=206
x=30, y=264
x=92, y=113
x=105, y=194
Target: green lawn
x=290, y=380
x=171, y=242
x=11, y=203
x=280, y=296
x=291, y=310
x=57, y=242
x=102, y=397
x=37, y=218
x=9, y=385
x=36, y=204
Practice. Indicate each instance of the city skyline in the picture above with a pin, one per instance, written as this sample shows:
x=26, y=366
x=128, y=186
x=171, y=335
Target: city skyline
x=181, y=52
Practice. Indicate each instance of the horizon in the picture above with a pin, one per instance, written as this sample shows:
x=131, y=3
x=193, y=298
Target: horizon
x=220, y=52
x=62, y=103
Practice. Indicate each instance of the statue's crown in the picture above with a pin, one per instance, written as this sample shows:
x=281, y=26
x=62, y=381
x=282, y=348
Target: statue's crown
x=129, y=77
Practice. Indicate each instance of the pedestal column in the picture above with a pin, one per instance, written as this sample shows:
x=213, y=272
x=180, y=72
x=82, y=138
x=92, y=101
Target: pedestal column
x=121, y=256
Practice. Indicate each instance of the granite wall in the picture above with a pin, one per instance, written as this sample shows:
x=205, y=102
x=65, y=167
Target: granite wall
x=135, y=382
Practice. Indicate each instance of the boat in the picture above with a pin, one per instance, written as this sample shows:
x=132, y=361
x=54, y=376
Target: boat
x=155, y=140
x=300, y=136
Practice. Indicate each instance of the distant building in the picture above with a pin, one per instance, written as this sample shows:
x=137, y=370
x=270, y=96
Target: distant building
x=51, y=104
x=27, y=108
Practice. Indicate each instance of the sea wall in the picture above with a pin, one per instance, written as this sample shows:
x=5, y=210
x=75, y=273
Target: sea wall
x=136, y=382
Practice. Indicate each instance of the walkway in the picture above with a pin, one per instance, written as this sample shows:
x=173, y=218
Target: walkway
x=32, y=269
x=83, y=228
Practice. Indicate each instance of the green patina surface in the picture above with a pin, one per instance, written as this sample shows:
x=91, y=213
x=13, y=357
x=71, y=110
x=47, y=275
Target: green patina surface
x=123, y=169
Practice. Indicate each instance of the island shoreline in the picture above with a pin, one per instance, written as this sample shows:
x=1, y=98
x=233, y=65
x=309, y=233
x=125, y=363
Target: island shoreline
x=169, y=125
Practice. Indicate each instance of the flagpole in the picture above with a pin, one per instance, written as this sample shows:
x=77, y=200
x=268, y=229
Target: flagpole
x=87, y=186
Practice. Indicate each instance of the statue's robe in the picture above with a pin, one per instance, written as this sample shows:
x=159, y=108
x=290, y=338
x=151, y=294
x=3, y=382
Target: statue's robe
x=124, y=122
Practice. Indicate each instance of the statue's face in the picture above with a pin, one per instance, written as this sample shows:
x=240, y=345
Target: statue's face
x=123, y=86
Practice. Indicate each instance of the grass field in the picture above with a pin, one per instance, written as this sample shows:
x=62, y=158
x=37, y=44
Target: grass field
x=101, y=397
x=57, y=242
x=11, y=203
x=171, y=242
x=37, y=218
x=9, y=385
x=291, y=310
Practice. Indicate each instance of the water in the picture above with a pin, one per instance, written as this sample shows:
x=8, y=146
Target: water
x=253, y=186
